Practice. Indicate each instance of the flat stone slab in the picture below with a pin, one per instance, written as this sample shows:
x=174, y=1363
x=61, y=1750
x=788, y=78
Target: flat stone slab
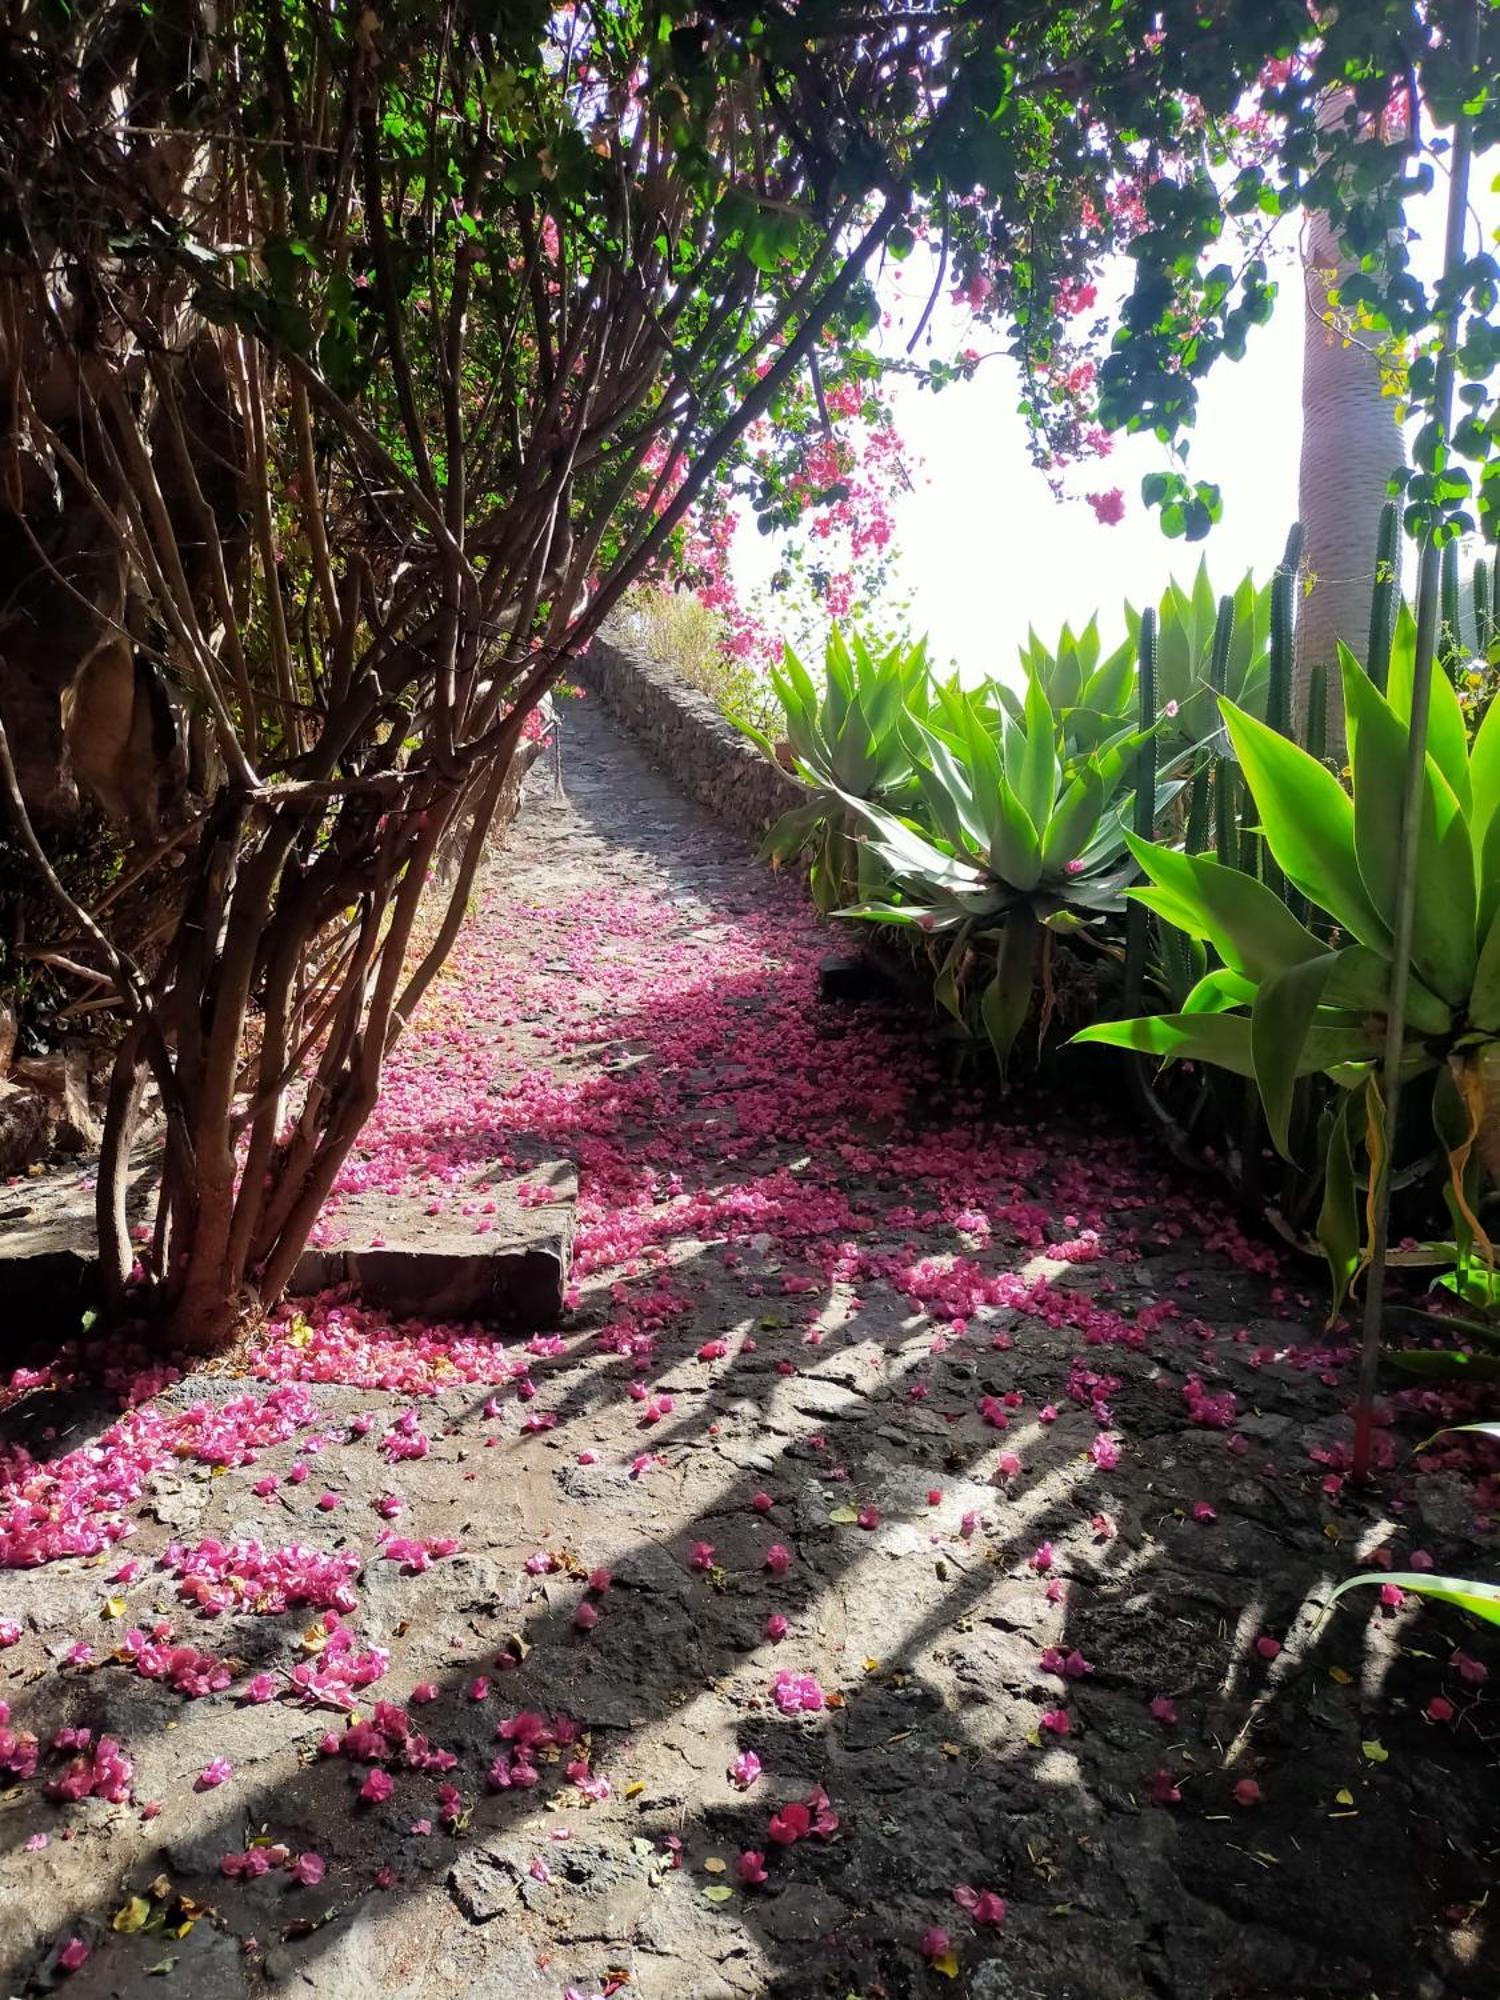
x=505, y=1264
x=48, y=1259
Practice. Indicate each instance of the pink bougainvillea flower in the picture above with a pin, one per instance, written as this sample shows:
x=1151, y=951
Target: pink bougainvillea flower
x=776, y=1628
x=73, y=1954
x=217, y=1772
x=778, y=1559
x=600, y=1581
x=751, y=1867
x=1391, y=1596
x=1042, y=1558
x=424, y=1691
x=795, y=1693
x=259, y=1688
x=586, y=1616
x=1056, y=1722
x=1105, y=1451
x=934, y=1941
x=1109, y=508
x=744, y=1770
x=1164, y=1789
x=869, y=1517
x=1164, y=1709
x=1202, y=1512
x=762, y=1503
x=377, y=1787
x=1440, y=1709
x=309, y=1869
x=702, y=1556
x=791, y=1824
x=1267, y=1647
x=1474, y=1673
x=983, y=1905
x=1247, y=1792
x=328, y=1501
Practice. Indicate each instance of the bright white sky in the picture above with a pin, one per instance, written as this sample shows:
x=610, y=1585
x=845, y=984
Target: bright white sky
x=985, y=550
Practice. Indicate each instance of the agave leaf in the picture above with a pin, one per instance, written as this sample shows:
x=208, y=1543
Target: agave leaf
x=1218, y=991
x=1015, y=852
x=914, y=916
x=1280, y=1022
x=1481, y=1600
x=1484, y=775
x=791, y=833
x=910, y=855
x=1247, y=924
x=1444, y=1364
x=1036, y=783
x=1447, y=736
x=1450, y=1324
x=947, y=788
x=1224, y=1040
x=1489, y=1430
x=1338, y=1217
x=1361, y=981
x=1443, y=932
x=1308, y=821
x=1074, y=820
x=1110, y=688
x=1006, y=999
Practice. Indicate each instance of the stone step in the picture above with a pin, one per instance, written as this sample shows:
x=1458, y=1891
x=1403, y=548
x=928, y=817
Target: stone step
x=507, y=1268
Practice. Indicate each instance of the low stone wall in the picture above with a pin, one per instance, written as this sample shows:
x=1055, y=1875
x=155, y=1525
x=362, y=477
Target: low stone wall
x=688, y=738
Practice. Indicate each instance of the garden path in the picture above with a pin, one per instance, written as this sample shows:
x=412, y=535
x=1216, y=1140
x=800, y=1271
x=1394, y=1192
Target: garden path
x=901, y=1576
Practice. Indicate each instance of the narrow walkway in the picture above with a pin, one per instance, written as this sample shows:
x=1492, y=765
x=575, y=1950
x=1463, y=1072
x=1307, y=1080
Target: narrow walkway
x=901, y=1577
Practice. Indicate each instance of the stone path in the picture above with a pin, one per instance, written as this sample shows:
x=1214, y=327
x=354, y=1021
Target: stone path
x=901, y=1577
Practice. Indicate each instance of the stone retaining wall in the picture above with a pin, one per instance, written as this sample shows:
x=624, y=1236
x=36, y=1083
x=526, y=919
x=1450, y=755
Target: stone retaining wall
x=687, y=737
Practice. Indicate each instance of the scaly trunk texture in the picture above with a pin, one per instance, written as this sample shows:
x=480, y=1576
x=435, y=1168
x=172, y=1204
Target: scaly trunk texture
x=1351, y=444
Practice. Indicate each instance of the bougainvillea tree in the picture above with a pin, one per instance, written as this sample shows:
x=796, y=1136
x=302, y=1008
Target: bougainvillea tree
x=357, y=360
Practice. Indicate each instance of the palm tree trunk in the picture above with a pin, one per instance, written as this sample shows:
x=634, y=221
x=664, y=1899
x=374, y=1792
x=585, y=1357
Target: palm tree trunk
x=1351, y=444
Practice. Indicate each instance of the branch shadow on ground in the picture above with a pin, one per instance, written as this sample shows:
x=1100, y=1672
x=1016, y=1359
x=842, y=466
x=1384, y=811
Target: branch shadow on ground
x=935, y=1758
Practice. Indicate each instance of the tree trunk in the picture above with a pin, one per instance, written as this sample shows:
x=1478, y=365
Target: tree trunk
x=1351, y=444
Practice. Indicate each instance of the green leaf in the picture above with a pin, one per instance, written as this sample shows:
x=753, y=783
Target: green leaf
x=1247, y=924
x=1338, y=1217
x=1308, y=820
x=1482, y=1600
x=1447, y=737
x=1361, y=982
x=1074, y=821
x=1036, y=782
x=1224, y=1040
x=1443, y=929
x=1280, y=1022
x=1006, y=999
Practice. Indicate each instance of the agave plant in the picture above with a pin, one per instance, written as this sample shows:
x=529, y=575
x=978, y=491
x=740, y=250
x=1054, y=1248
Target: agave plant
x=1289, y=998
x=1092, y=697
x=1186, y=621
x=844, y=743
x=1019, y=844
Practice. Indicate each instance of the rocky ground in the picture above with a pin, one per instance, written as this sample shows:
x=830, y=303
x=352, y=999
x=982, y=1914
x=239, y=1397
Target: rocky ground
x=903, y=1574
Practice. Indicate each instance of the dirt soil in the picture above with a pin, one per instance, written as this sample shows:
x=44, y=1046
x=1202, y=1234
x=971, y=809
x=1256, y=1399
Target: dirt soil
x=1031, y=1456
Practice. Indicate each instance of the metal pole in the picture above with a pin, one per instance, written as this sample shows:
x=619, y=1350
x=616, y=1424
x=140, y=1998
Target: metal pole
x=1466, y=29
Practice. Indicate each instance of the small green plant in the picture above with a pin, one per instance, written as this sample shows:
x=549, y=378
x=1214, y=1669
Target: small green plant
x=1011, y=844
x=846, y=743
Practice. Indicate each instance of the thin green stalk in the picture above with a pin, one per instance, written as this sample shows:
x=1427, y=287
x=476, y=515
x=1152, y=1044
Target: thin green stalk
x=1137, y=929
